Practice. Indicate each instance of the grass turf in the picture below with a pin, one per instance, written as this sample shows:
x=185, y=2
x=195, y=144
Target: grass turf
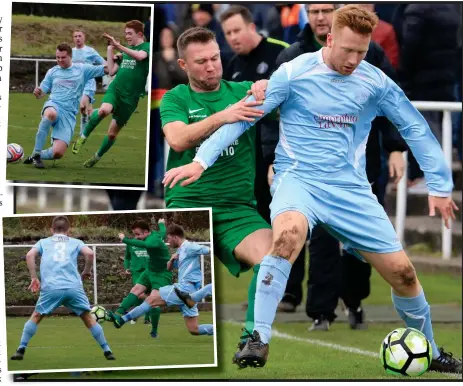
x=65, y=343
x=123, y=164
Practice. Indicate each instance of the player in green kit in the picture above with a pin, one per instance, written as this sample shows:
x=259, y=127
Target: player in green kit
x=156, y=274
x=190, y=113
x=121, y=98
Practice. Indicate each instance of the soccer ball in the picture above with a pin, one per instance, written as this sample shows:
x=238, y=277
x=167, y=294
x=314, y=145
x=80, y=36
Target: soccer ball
x=405, y=351
x=14, y=153
x=99, y=313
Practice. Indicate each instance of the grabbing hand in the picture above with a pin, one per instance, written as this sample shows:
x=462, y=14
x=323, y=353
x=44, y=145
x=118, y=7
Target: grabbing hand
x=191, y=172
x=446, y=207
x=242, y=111
x=258, y=89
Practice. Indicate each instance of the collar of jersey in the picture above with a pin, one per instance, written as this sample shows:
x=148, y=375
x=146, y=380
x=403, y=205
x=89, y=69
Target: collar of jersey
x=211, y=96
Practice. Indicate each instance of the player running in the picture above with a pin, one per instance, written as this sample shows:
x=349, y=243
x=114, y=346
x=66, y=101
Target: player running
x=156, y=274
x=60, y=283
x=327, y=101
x=82, y=53
x=190, y=113
x=121, y=98
x=187, y=260
x=65, y=83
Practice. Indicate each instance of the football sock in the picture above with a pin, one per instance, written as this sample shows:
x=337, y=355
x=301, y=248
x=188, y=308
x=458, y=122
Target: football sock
x=249, y=324
x=416, y=313
x=271, y=283
x=30, y=328
x=206, y=329
x=98, y=334
x=147, y=317
x=47, y=154
x=105, y=146
x=137, y=312
x=154, y=315
x=202, y=293
x=129, y=301
x=93, y=122
x=83, y=122
x=42, y=134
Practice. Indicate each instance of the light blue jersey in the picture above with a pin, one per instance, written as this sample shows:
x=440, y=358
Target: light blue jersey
x=88, y=55
x=58, y=266
x=189, y=264
x=325, y=120
x=66, y=85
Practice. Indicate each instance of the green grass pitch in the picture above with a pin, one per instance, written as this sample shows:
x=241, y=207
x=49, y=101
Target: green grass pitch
x=123, y=164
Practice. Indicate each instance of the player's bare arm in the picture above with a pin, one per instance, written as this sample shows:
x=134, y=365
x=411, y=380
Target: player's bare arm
x=111, y=62
x=137, y=55
x=89, y=256
x=30, y=259
x=181, y=136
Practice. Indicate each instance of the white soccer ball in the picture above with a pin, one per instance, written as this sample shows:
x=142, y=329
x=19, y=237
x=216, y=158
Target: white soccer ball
x=14, y=153
x=406, y=351
x=99, y=313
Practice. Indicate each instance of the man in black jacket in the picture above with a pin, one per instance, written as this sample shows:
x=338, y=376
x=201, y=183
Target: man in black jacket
x=332, y=275
x=254, y=59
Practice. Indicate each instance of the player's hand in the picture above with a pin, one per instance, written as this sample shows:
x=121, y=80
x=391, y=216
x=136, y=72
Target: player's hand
x=258, y=89
x=111, y=41
x=35, y=285
x=161, y=221
x=127, y=272
x=396, y=166
x=86, y=275
x=191, y=172
x=121, y=236
x=37, y=92
x=446, y=207
x=242, y=111
x=270, y=175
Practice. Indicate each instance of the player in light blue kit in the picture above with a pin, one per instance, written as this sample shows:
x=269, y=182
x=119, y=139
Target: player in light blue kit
x=65, y=83
x=187, y=293
x=327, y=101
x=60, y=283
x=82, y=53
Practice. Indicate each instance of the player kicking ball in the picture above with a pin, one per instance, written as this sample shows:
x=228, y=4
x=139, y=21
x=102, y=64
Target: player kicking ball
x=187, y=260
x=61, y=284
x=121, y=98
x=65, y=83
x=327, y=101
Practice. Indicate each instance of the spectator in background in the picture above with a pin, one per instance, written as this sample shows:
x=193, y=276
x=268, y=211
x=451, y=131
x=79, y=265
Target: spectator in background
x=254, y=59
x=147, y=29
x=385, y=36
x=331, y=274
x=428, y=54
x=165, y=61
x=203, y=15
x=286, y=21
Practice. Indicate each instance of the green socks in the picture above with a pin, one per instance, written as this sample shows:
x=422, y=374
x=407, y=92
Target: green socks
x=249, y=324
x=129, y=301
x=93, y=122
x=105, y=146
x=155, y=315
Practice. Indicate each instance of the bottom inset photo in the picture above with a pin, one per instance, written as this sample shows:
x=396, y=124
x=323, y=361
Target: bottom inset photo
x=112, y=291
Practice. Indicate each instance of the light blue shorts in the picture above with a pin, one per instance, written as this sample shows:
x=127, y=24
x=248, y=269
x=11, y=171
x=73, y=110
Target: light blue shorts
x=168, y=294
x=90, y=92
x=353, y=216
x=63, y=127
x=73, y=298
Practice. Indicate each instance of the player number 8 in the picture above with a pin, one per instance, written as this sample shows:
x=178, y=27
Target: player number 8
x=60, y=252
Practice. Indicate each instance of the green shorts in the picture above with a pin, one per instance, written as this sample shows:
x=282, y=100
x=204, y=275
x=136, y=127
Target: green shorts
x=122, y=107
x=135, y=276
x=230, y=227
x=154, y=280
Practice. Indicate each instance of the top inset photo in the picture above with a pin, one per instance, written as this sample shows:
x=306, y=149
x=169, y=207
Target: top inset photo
x=79, y=97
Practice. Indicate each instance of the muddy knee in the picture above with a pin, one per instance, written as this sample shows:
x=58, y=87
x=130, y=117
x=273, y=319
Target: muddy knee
x=104, y=112
x=405, y=276
x=50, y=114
x=285, y=245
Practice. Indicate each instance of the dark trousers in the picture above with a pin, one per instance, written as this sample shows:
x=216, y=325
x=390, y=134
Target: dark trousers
x=124, y=199
x=333, y=274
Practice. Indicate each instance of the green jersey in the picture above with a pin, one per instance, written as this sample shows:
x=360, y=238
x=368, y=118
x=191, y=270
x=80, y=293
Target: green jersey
x=158, y=253
x=136, y=258
x=130, y=81
x=231, y=179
